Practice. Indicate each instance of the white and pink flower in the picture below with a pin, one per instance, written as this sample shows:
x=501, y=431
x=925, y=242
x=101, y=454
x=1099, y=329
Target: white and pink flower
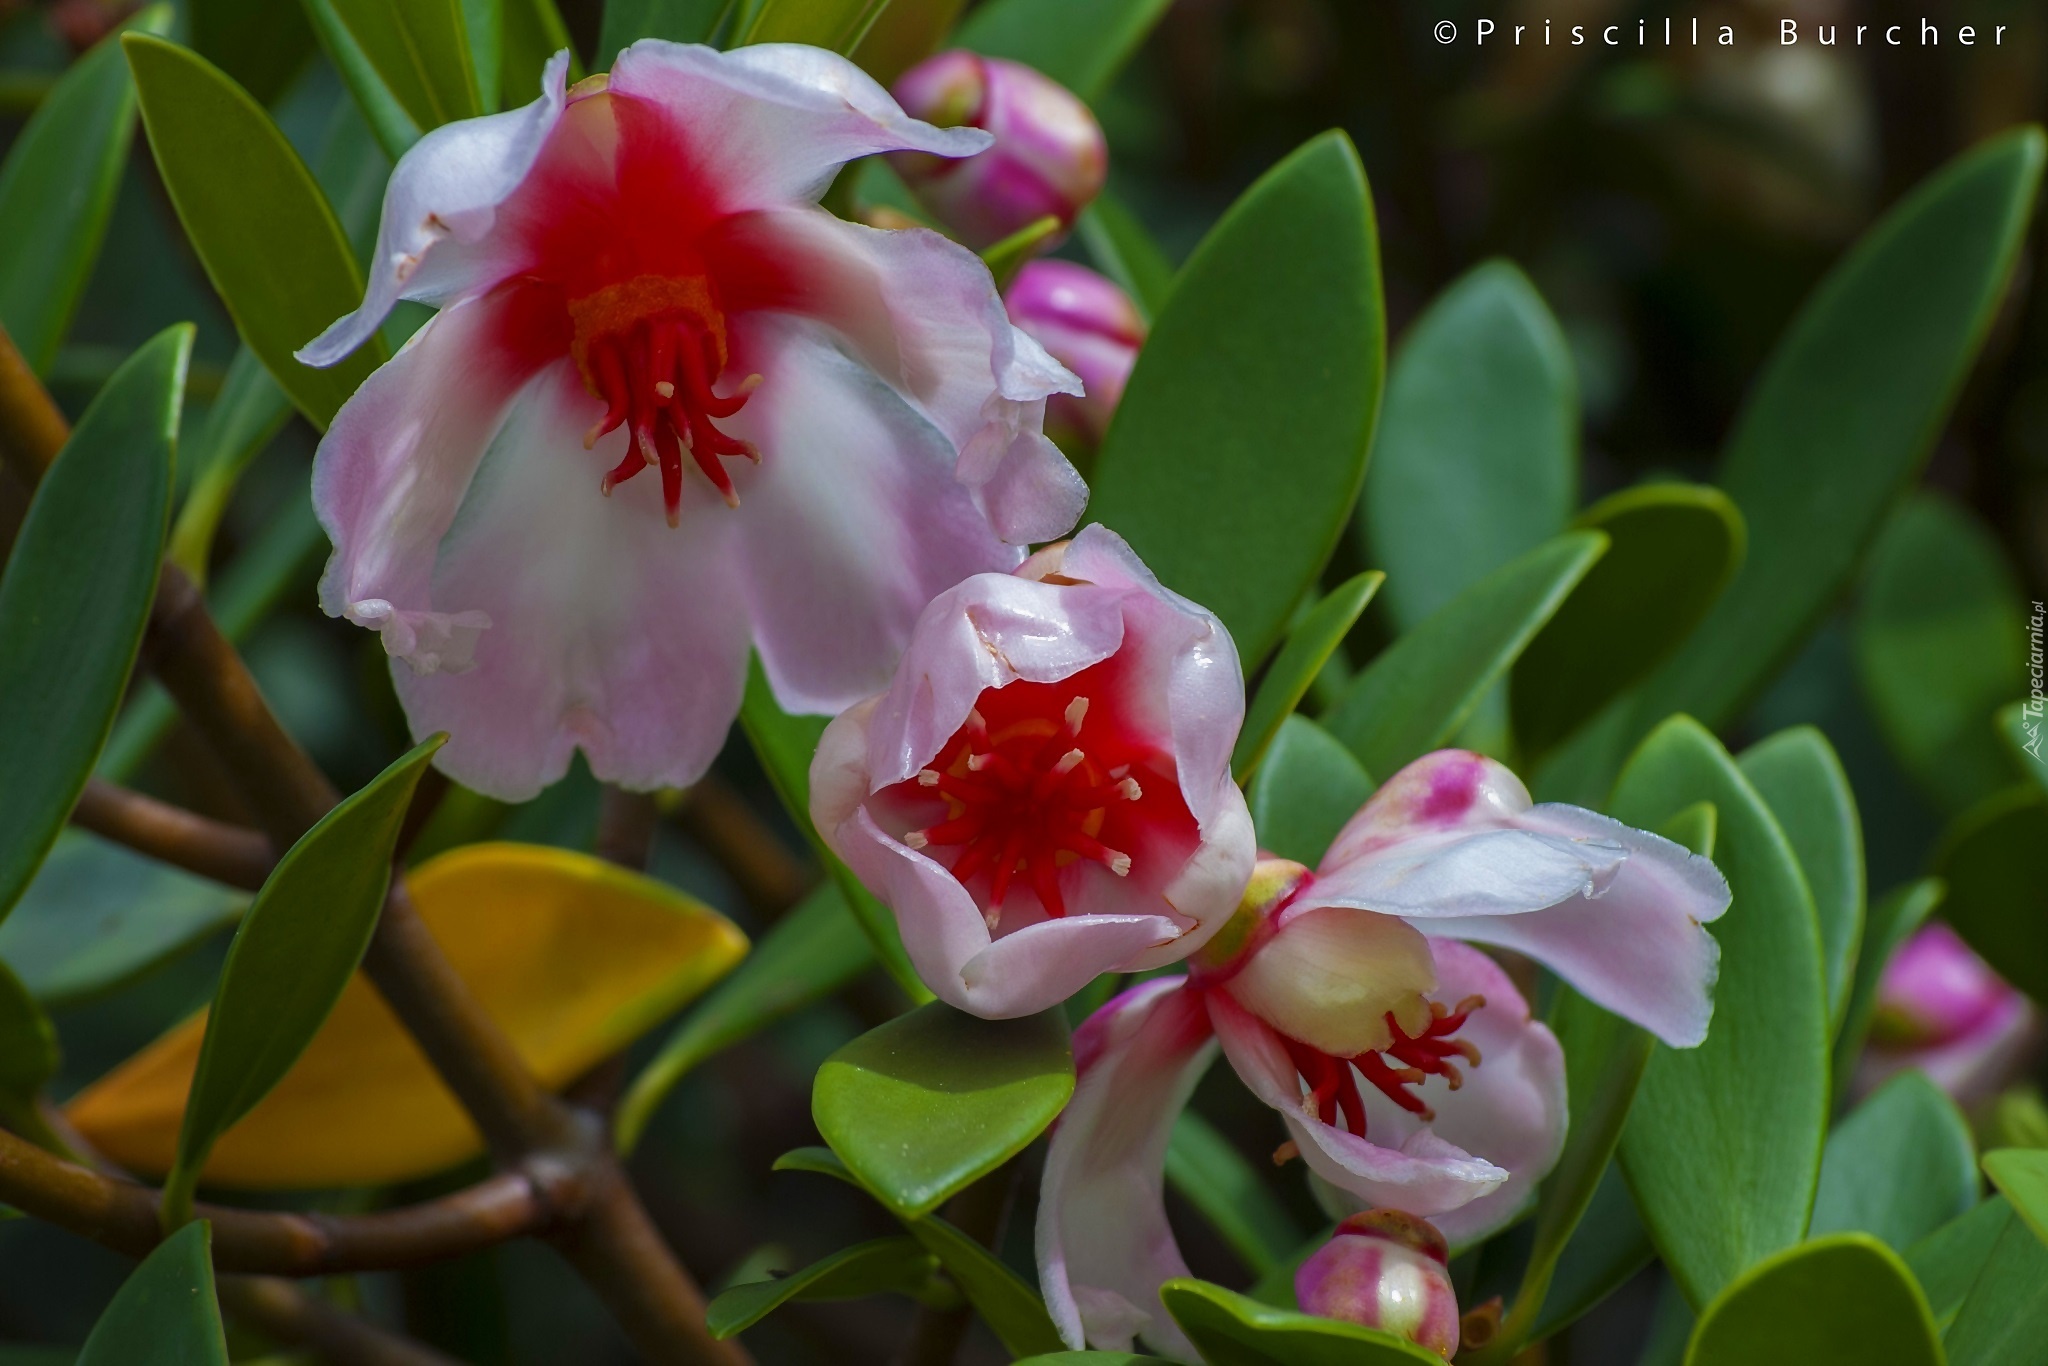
x=1043, y=793
x=1088, y=325
x=835, y=423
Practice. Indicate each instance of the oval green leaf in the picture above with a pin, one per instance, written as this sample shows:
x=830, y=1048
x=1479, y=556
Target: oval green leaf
x=164, y=1313
x=1946, y=1261
x=1994, y=859
x=1082, y=44
x=1898, y=1167
x=1309, y=646
x=1722, y=1149
x=2004, y=1318
x=1423, y=687
x=75, y=597
x=28, y=1059
x=1308, y=786
x=878, y=1267
x=1232, y=1330
x=1012, y=1309
x=261, y=226
x=925, y=1105
x=835, y=24
x=1845, y=1300
x=1247, y=419
x=295, y=951
x=2021, y=1175
x=1800, y=778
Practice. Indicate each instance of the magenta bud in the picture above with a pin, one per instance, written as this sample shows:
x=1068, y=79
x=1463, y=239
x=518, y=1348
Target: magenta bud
x=1049, y=157
x=1091, y=327
x=1934, y=991
x=1386, y=1270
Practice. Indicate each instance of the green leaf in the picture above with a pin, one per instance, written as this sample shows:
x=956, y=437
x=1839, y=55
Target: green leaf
x=261, y=44
x=1477, y=459
x=679, y=21
x=2020, y=724
x=1994, y=859
x=835, y=24
x=1799, y=777
x=28, y=1058
x=1892, y=921
x=873, y=1268
x=1673, y=549
x=164, y=1313
x=249, y=411
x=1844, y=1300
x=98, y=915
x=1232, y=1330
x=1946, y=1261
x=925, y=1105
x=1082, y=44
x=483, y=30
x=1309, y=646
x=1227, y=1191
x=1722, y=1150
x=259, y=223
x=2021, y=1175
x=534, y=32
x=1005, y=258
x=57, y=192
x=1011, y=1308
x=420, y=51
x=1304, y=791
x=811, y=953
x=1608, y=1246
x=2004, y=1319
x=1126, y=253
x=904, y=34
x=393, y=128
x=75, y=596
x=1218, y=468
x=1415, y=696
x=1900, y=1166
x=297, y=948
x=1941, y=641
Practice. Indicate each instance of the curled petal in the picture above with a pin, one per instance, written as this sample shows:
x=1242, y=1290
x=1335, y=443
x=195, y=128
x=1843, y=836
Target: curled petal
x=1104, y=1247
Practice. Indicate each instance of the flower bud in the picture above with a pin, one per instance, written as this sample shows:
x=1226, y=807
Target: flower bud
x=1049, y=157
x=1387, y=1270
x=1088, y=325
x=1934, y=990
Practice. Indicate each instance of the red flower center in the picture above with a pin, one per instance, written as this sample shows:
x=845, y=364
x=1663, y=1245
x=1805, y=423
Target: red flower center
x=652, y=348
x=1333, y=1084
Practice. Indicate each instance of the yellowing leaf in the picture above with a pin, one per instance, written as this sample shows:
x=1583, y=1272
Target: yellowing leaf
x=572, y=956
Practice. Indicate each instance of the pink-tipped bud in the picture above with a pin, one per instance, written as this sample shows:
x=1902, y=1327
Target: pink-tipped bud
x=1049, y=157
x=1386, y=1270
x=1091, y=327
x=1943, y=1010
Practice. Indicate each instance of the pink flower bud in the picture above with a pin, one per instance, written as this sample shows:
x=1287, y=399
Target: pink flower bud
x=1049, y=156
x=1386, y=1270
x=1943, y=1009
x=1088, y=325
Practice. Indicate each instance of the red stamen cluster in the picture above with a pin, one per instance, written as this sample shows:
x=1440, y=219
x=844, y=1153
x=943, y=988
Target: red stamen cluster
x=1028, y=801
x=1333, y=1085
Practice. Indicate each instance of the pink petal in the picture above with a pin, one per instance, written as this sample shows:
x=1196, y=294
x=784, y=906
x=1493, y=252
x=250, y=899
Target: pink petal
x=1211, y=882
x=1971, y=1067
x=1104, y=1246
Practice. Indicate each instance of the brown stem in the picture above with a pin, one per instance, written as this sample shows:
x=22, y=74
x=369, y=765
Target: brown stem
x=625, y=827
x=768, y=875
x=32, y=429
x=978, y=1211
x=233, y=854
x=291, y=1315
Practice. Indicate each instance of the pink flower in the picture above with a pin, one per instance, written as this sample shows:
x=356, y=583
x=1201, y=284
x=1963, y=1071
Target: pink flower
x=1088, y=325
x=1388, y=1270
x=835, y=422
x=1044, y=794
x=1941, y=1009
x=1048, y=158
x=1404, y=1064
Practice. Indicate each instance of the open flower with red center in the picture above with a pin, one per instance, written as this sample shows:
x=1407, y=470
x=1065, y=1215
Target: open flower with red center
x=670, y=407
x=1404, y=1063
x=1044, y=794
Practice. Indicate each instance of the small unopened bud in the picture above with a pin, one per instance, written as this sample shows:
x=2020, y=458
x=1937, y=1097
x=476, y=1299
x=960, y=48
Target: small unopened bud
x=1088, y=325
x=1049, y=157
x=1387, y=1270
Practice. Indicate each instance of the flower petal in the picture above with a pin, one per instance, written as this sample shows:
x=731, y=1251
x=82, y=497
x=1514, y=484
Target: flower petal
x=1104, y=1246
x=1210, y=883
x=1971, y=1067
x=443, y=198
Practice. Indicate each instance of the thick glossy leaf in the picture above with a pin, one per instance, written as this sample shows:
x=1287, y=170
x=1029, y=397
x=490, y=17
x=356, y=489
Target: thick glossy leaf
x=1232, y=1330
x=294, y=953
x=1892, y=921
x=2004, y=1318
x=2020, y=723
x=835, y=24
x=261, y=44
x=1608, y=1246
x=1941, y=640
x=1477, y=458
x=1844, y=1300
x=420, y=50
x=261, y=226
x=1309, y=646
x=1082, y=44
x=1247, y=419
x=679, y=21
x=812, y=952
x=572, y=956
x=57, y=191
x=2021, y=1175
x=28, y=1056
x=1994, y=859
x=164, y=1313
x=387, y=118
x=923, y=1106
x=1415, y=696
x=1900, y=1166
x=75, y=596
x=1216, y=1179
x=1799, y=777
x=1126, y=253
x=249, y=411
x=1672, y=550
x=1946, y=1261
x=1308, y=786
x=1722, y=1149
x=873, y=1268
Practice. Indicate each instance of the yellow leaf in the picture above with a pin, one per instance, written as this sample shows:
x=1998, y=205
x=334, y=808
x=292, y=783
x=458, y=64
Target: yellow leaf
x=572, y=956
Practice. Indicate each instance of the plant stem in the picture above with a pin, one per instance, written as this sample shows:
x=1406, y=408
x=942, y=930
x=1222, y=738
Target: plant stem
x=284, y=1311
x=979, y=1212
x=232, y=854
